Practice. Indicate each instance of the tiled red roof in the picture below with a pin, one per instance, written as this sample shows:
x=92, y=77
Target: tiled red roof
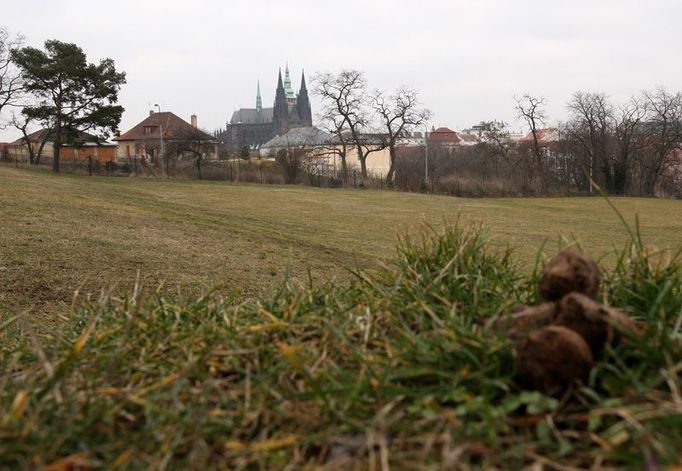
x=173, y=127
x=544, y=135
x=444, y=135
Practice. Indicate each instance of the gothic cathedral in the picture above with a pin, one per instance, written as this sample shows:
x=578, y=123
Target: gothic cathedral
x=253, y=127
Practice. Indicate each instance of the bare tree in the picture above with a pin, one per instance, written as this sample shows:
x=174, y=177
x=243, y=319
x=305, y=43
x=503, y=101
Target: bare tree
x=345, y=98
x=334, y=124
x=663, y=131
x=149, y=151
x=291, y=162
x=628, y=148
x=591, y=126
x=499, y=146
x=628, y=120
x=398, y=113
x=11, y=86
x=532, y=110
x=22, y=123
x=194, y=144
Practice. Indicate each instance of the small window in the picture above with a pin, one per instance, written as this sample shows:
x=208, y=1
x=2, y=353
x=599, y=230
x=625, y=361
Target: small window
x=150, y=129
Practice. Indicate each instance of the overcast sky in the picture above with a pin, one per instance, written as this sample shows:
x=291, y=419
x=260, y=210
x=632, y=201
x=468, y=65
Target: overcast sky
x=467, y=58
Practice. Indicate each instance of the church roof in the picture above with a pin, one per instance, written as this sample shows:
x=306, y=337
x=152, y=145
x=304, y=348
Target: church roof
x=306, y=136
x=251, y=116
x=367, y=138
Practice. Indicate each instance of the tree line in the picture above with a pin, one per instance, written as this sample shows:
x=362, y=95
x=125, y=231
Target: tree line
x=630, y=148
x=624, y=148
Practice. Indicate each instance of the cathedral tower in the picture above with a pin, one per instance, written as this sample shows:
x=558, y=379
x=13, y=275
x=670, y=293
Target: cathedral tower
x=280, y=113
x=290, y=94
x=303, y=104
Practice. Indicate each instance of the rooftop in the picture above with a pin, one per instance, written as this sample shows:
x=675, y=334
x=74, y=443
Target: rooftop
x=444, y=134
x=82, y=139
x=172, y=126
x=304, y=136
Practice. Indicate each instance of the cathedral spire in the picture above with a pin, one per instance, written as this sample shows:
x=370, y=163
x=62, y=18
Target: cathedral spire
x=259, y=101
x=303, y=87
x=280, y=113
x=291, y=95
x=303, y=104
x=287, y=77
x=279, y=80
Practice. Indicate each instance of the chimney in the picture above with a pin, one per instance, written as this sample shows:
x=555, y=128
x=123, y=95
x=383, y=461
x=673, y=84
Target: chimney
x=151, y=112
x=194, y=120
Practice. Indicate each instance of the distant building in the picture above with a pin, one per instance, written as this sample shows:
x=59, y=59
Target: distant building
x=84, y=145
x=253, y=127
x=545, y=136
x=548, y=138
x=467, y=139
x=378, y=161
x=484, y=126
x=410, y=139
x=479, y=130
x=146, y=139
x=310, y=138
x=444, y=137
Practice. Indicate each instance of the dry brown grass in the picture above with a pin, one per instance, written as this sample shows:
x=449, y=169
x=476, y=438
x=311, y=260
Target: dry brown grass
x=63, y=233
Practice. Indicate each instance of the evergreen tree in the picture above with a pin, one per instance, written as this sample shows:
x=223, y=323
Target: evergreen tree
x=72, y=95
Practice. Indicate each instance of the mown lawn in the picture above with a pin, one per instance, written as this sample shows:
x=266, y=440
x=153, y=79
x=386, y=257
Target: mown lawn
x=62, y=233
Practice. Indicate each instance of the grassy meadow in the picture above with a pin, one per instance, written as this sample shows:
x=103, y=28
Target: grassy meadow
x=397, y=365
x=66, y=233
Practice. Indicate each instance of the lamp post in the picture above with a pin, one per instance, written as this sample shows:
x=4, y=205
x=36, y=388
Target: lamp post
x=161, y=143
x=426, y=154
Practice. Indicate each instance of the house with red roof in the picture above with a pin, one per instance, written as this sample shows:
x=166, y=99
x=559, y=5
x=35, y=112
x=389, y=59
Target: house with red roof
x=443, y=136
x=545, y=136
x=148, y=138
x=548, y=139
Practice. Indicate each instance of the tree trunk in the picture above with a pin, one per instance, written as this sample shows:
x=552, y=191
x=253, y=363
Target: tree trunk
x=344, y=168
x=620, y=176
x=391, y=167
x=40, y=152
x=56, y=149
x=648, y=184
x=31, y=154
x=363, y=159
x=363, y=167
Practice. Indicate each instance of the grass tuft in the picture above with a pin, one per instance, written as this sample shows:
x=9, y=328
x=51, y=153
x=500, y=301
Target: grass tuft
x=400, y=368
